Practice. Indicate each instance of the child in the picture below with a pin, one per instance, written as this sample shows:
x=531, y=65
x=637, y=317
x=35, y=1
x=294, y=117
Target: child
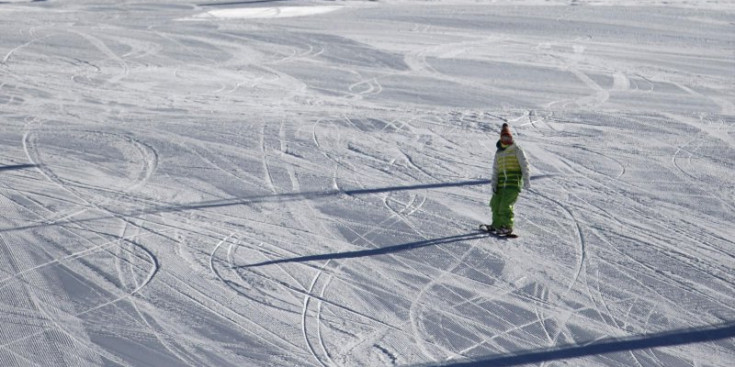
x=510, y=171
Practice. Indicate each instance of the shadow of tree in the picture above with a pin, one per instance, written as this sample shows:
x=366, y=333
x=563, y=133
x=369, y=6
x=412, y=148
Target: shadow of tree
x=252, y=200
x=667, y=339
x=18, y=167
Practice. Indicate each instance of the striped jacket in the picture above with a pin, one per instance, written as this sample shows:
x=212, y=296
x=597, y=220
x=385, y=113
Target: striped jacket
x=510, y=168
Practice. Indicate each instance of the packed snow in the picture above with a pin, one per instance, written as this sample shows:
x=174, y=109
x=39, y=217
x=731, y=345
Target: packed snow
x=300, y=183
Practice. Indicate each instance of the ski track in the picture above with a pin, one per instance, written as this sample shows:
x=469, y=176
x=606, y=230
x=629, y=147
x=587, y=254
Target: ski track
x=577, y=276
x=150, y=159
x=159, y=335
x=410, y=207
x=40, y=305
x=147, y=153
x=304, y=318
x=364, y=237
x=293, y=289
x=281, y=147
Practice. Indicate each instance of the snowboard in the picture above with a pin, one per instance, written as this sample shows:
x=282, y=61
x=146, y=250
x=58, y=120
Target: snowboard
x=486, y=228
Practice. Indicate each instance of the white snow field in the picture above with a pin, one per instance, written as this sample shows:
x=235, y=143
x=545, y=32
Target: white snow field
x=299, y=183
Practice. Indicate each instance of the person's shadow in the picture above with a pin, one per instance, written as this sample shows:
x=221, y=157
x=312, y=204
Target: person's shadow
x=375, y=251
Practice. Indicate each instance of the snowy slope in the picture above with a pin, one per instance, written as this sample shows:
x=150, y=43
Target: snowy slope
x=299, y=183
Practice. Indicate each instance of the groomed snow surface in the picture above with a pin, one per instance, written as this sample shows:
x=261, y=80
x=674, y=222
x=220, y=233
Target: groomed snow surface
x=300, y=183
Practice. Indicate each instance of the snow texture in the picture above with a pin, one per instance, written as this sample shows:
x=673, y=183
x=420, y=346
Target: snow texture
x=299, y=183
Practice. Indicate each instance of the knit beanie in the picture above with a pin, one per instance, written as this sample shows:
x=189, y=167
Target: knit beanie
x=505, y=131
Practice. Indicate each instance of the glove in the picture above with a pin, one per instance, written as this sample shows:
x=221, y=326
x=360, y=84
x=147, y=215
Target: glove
x=495, y=189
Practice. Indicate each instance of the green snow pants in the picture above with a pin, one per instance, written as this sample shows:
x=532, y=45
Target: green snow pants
x=502, y=206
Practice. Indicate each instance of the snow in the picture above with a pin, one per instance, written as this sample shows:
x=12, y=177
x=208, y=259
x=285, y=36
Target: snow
x=300, y=183
x=267, y=12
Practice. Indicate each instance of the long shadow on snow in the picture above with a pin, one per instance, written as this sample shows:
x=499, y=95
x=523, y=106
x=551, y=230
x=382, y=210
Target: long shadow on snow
x=309, y=195
x=240, y=3
x=374, y=252
x=17, y=166
x=666, y=339
x=251, y=200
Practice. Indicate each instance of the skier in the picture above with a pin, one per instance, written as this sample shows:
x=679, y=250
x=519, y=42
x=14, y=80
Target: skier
x=510, y=170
